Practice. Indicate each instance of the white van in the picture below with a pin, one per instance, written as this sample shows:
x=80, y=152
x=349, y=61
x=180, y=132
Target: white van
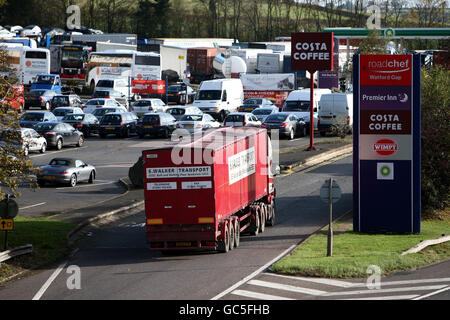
x=336, y=110
x=120, y=85
x=219, y=97
x=298, y=102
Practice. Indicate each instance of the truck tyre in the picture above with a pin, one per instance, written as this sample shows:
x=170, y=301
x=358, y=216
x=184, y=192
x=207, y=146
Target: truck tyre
x=224, y=244
x=237, y=232
x=256, y=220
x=262, y=224
x=271, y=211
x=232, y=236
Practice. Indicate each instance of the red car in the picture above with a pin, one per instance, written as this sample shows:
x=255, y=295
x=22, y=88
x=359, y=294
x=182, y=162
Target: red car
x=15, y=97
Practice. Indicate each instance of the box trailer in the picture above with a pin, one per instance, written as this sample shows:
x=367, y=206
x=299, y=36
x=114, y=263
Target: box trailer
x=203, y=194
x=200, y=61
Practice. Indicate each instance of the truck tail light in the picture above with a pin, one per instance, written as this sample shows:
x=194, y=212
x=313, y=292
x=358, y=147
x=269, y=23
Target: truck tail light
x=155, y=221
x=206, y=220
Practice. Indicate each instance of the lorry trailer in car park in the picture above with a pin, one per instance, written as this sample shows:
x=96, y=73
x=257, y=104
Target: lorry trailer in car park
x=203, y=194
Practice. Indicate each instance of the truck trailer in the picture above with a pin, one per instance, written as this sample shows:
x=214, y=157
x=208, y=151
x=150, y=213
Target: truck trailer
x=201, y=195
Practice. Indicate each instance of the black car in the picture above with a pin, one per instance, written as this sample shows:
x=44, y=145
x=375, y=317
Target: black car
x=177, y=93
x=288, y=124
x=120, y=124
x=39, y=98
x=60, y=134
x=84, y=122
x=251, y=104
x=31, y=118
x=69, y=100
x=156, y=124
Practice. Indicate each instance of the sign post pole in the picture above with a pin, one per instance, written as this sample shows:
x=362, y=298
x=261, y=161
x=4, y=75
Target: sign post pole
x=330, y=226
x=311, y=113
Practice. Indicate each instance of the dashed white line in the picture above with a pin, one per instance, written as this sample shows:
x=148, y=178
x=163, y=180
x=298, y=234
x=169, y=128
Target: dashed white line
x=33, y=205
x=331, y=282
x=256, y=295
x=286, y=287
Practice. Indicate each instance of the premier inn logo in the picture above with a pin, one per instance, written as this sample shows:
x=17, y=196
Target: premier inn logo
x=375, y=66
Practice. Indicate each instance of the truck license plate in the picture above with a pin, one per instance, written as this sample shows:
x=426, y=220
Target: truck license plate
x=110, y=128
x=183, y=244
x=148, y=127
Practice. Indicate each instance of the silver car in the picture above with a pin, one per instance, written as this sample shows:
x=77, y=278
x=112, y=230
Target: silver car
x=67, y=171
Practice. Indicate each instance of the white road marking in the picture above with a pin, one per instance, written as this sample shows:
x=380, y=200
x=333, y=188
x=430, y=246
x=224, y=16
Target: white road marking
x=336, y=283
x=405, y=297
x=403, y=282
x=256, y=295
x=254, y=274
x=33, y=205
x=375, y=291
x=47, y=284
x=432, y=293
x=53, y=152
x=85, y=185
x=286, y=287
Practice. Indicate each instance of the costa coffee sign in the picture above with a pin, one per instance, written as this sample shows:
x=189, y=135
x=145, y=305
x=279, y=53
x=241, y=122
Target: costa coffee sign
x=312, y=51
x=385, y=147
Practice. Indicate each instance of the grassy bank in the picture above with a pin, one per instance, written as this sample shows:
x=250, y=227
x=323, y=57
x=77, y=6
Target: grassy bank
x=48, y=238
x=354, y=252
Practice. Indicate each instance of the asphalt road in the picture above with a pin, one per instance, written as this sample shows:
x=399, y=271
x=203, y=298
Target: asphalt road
x=112, y=158
x=115, y=262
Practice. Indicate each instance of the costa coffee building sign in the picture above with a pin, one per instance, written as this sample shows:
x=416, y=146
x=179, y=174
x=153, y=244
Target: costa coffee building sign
x=312, y=51
x=387, y=143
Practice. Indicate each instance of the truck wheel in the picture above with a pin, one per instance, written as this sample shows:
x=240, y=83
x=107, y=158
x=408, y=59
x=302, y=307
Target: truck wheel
x=224, y=245
x=254, y=225
x=237, y=232
x=232, y=236
x=271, y=211
x=262, y=225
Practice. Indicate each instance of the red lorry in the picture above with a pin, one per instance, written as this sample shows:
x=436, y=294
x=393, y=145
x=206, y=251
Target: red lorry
x=203, y=194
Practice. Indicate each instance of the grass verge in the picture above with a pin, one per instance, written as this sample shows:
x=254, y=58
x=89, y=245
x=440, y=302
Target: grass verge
x=354, y=252
x=48, y=238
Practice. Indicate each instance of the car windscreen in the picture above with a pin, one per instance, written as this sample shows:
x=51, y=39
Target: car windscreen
x=101, y=94
x=176, y=111
x=36, y=93
x=175, y=88
x=142, y=103
x=74, y=117
x=298, y=105
x=235, y=118
x=209, y=95
x=62, y=112
x=258, y=112
x=45, y=126
x=253, y=101
x=61, y=162
x=45, y=80
x=60, y=100
x=105, y=84
x=32, y=117
x=192, y=117
x=102, y=112
x=112, y=118
x=276, y=118
x=96, y=102
x=152, y=118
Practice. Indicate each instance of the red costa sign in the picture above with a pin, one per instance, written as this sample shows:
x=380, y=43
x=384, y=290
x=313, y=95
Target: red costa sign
x=385, y=147
x=148, y=86
x=312, y=51
x=385, y=70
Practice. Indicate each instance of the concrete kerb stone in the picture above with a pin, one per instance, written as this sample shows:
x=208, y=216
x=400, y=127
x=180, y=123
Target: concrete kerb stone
x=314, y=160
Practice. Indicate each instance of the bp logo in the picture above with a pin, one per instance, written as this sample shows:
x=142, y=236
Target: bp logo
x=385, y=171
x=388, y=33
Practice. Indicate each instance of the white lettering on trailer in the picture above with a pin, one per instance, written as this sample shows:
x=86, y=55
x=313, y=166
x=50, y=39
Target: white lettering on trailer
x=196, y=185
x=161, y=186
x=241, y=165
x=178, y=172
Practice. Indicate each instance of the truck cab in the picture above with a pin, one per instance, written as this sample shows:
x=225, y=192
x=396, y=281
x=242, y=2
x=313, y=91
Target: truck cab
x=47, y=82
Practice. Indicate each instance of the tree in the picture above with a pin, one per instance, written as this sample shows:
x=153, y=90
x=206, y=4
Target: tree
x=15, y=167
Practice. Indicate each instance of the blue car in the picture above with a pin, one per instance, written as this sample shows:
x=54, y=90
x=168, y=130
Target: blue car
x=30, y=118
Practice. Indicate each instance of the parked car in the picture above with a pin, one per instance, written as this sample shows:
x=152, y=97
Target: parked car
x=195, y=122
x=263, y=113
x=253, y=103
x=241, y=119
x=180, y=111
x=31, y=31
x=15, y=97
x=120, y=124
x=29, y=139
x=177, y=93
x=100, y=112
x=61, y=112
x=70, y=100
x=84, y=122
x=288, y=124
x=156, y=124
x=143, y=106
x=111, y=94
x=30, y=118
x=60, y=134
x=93, y=104
x=39, y=98
x=67, y=171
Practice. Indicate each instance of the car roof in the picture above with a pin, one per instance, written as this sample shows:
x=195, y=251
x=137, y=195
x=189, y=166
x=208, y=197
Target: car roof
x=239, y=113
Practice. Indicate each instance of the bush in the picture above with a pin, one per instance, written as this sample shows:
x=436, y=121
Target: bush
x=435, y=139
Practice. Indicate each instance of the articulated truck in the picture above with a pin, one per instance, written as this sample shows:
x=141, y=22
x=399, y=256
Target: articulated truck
x=201, y=195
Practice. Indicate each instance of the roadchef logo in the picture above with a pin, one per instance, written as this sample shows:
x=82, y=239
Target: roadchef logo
x=385, y=147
